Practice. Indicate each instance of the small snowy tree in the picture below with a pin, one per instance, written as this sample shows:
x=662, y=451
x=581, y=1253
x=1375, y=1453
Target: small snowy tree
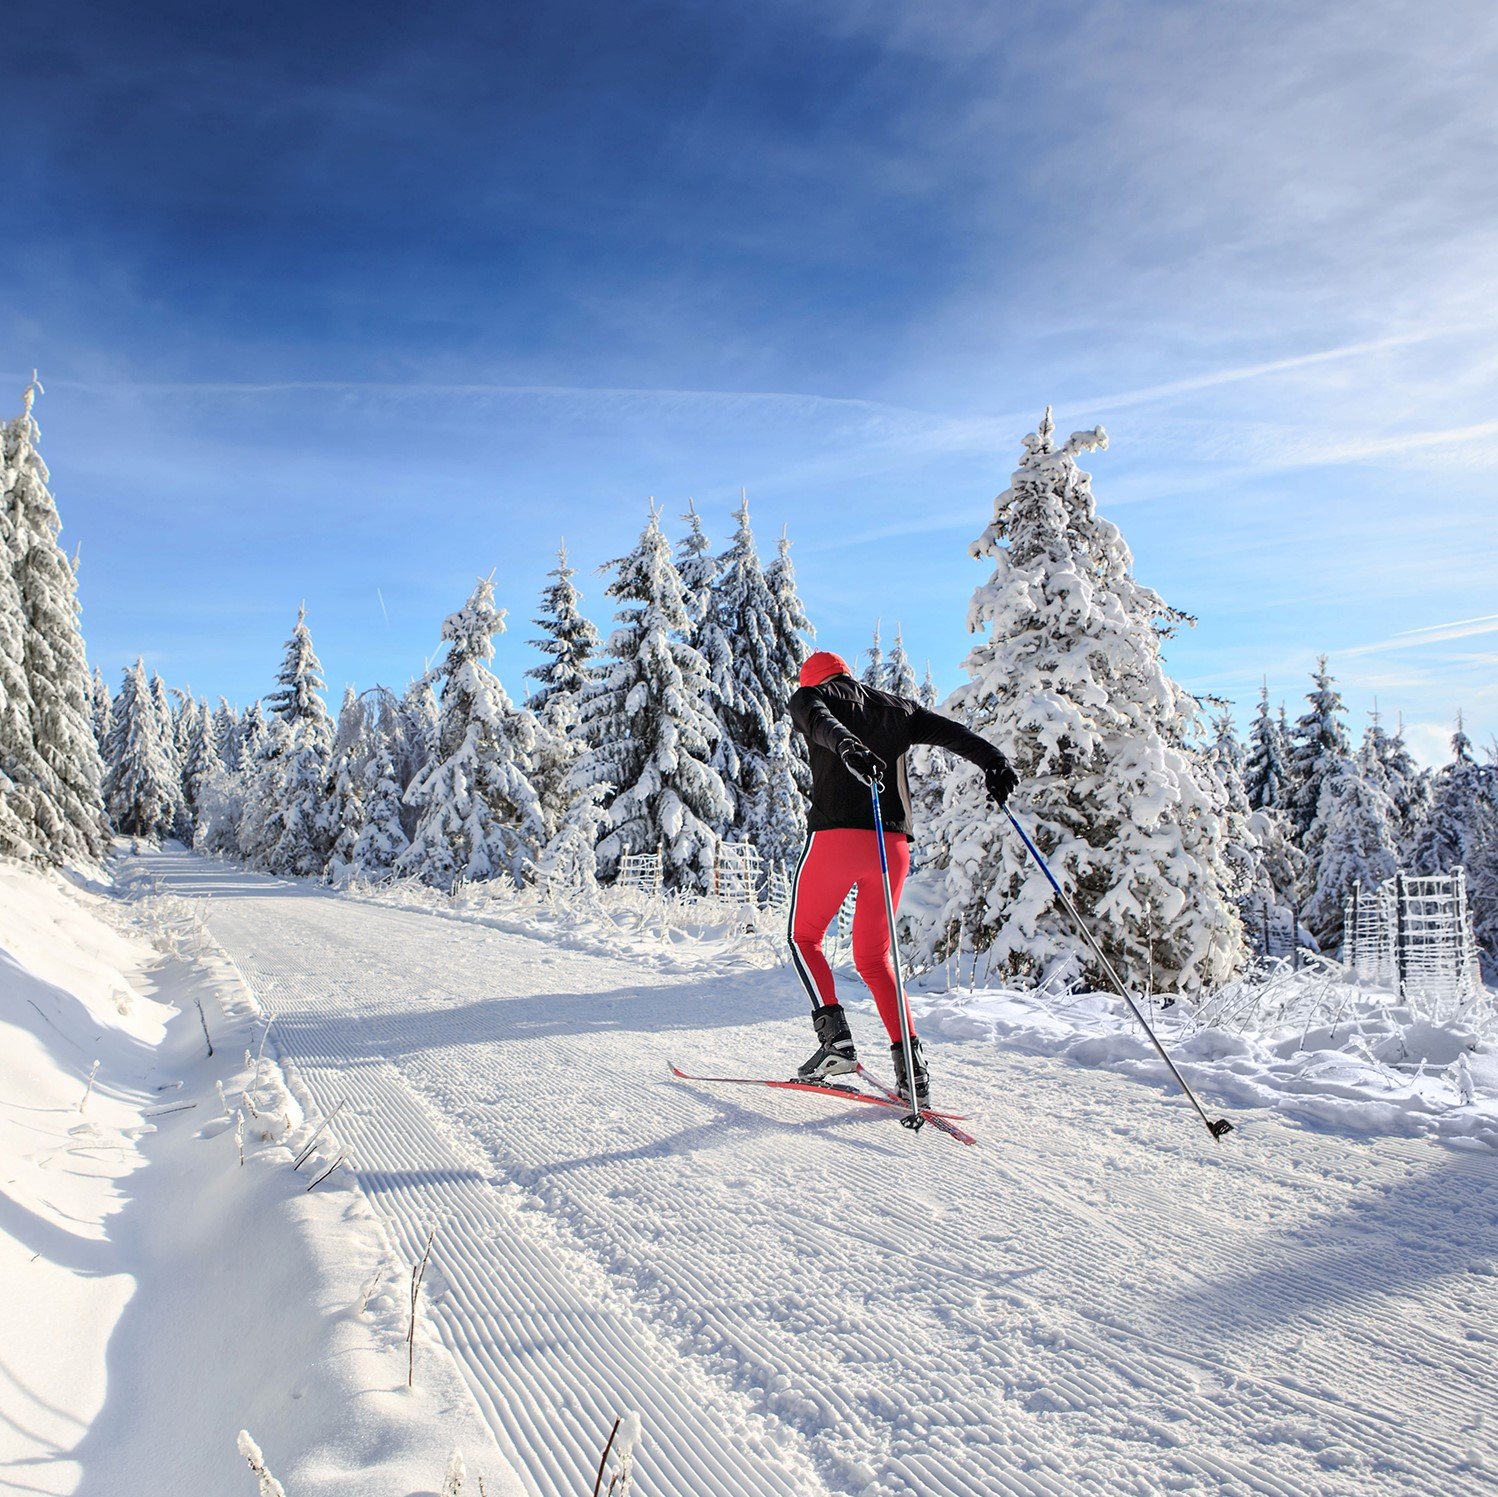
x=875, y=672
x=480, y=815
x=785, y=832
x=1406, y=784
x=1068, y=681
x=569, y=640
x=1444, y=838
x=899, y=674
x=200, y=757
x=382, y=839
x=141, y=791
x=700, y=572
x=99, y=705
x=649, y=733
x=344, y=810
x=226, y=737
x=48, y=749
x=569, y=861
x=1266, y=771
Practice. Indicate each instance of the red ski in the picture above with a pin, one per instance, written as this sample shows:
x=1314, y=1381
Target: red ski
x=830, y=1089
x=939, y=1120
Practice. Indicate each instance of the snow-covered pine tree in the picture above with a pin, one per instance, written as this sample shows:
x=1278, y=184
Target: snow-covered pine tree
x=253, y=734
x=99, y=705
x=899, y=674
x=1352, y=841
x=1068, y=681
x=568, y=639
x=790, y=632
x=142, y=791
x=298, y=784
x=649, y=735
x=344, y=810
x=166, y=730
x=1266, y=771
x=1225, y=758
x=1445, y=837
x=60, y=770
x=1318, y=745
x=22, y=772
x=1405, y=783
x=750, y=618
x=480, y=815
x=382, y=839
x=700, y=571
x=875, y=671
x=569, y=861
x=200, y=756
x=226, y=737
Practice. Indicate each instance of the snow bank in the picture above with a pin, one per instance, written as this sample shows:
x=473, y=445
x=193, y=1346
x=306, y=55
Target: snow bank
x=162, y=1297
x=1333, y=1055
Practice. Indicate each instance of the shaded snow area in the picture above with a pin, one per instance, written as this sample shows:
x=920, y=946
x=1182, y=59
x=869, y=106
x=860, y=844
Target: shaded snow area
x=772, y=1292
x=158, y=1296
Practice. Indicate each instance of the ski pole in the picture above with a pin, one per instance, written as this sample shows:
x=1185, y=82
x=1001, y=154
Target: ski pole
x=1216, y=1129
x=913, y=1119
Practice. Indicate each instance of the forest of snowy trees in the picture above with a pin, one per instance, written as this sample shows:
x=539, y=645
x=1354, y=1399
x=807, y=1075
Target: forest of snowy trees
x=1191, y=848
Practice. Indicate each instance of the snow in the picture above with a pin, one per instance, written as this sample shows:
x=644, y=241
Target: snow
x=160, y=1299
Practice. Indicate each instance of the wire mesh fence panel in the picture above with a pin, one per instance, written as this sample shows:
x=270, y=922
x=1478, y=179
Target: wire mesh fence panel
x=641, y=870
x=738, y=872
x=1414, y=935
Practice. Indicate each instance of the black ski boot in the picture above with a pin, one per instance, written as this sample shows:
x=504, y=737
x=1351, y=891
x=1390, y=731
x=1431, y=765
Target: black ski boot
x=918, y=1065
x=836, y=1055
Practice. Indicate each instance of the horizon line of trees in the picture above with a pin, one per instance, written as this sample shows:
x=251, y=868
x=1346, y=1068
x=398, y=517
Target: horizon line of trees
x=1184, y=843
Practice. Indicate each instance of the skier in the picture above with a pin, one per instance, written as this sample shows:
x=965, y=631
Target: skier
x=857, y=734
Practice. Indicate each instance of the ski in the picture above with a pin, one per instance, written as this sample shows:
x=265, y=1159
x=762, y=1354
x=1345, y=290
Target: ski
x=942, y=1121
x=820, y=1088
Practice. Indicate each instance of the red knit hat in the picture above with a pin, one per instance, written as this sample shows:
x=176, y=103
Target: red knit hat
x=823, y=666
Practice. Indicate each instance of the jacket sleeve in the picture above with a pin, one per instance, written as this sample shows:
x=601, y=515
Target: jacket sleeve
x=817, y=724
x=931, y=727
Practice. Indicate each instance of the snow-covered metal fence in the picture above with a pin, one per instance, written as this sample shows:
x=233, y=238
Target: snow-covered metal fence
x=1414, y=935
x=640, y=870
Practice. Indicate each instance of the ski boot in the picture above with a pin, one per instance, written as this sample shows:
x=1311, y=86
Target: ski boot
x=918, y=1066
x=836, y=1055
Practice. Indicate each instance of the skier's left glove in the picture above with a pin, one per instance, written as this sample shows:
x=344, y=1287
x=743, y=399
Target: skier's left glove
x=1001, y=781
x=861, y=761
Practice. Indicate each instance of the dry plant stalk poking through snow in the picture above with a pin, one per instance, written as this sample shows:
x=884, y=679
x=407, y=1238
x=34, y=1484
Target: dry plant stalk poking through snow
x=623, y=1440
x=418, y=1273
x=269, y=1486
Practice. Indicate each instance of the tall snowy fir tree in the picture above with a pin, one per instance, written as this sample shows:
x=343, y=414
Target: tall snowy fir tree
x=784, y=832
x=21, y=769
x=650, y=736
x=1318, y=746
x=1406, y=784
x=480, y=816
x=700, y=571
x=899, y=674
x=99, y=705
x=1354, y=843
x=1068, y=681
x=382, y=839
x=568, y=639
x=750, y=617
x=1225, y=758
x=1444, y=839
x=226, y=735
x=295, y=838
x=1266, y=770
x=47, y=745
x=875, y=672
x=200, y=758
x=344, y=809
x=166, y=729
x=142, y=791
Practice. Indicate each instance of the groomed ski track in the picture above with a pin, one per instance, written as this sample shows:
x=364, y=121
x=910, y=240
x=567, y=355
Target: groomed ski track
x=800, y=1297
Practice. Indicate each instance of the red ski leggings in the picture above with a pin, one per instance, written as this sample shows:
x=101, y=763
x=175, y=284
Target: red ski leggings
x=834, y=862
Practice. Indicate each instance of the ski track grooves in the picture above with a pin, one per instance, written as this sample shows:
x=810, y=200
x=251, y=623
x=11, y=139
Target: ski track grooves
x=803, y=1299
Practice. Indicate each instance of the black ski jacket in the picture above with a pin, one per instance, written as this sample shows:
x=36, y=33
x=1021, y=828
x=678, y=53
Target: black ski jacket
x=842, y=708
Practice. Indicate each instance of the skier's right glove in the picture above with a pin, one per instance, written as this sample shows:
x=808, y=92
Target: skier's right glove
x=861, y=761
x=1001, y=781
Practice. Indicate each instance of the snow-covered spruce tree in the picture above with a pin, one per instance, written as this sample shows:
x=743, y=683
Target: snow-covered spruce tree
x=1353, y=842
x=22, y=772
x=569, y=861
x=382, y=839
x=568, y=639
x=1397, y=774
x=1266, y=770
x=200, y=757
x=1225, y=758
x=1068, y=681
x=59, y=766
x=344, y=809
x=253, y=733
x=1318, y=745
x=166, y=727
x=1445, y=837
x=790, y=634
x=416, y=743
x=295, y=837
x=700, y=572
x=480, y=817
x=875, y=672
x=142, y=791
x=751, y=617
x=99, y=705
x=649, y=734
x=899, y=674
x=226, y=738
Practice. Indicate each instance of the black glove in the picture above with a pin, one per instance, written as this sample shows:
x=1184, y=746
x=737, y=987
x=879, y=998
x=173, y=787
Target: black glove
x=861, y=761
x=1001, y=781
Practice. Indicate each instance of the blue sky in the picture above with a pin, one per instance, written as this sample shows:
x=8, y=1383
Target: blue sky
x=350, y=304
